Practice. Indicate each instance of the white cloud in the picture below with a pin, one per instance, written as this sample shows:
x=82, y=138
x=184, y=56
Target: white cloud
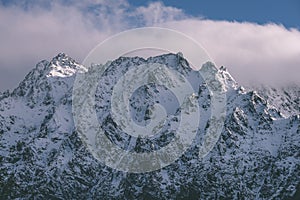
x=28, y=36
x=251, y=52
x=156, y=13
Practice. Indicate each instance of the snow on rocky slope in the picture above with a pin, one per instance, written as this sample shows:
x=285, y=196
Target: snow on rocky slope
x=42, y=156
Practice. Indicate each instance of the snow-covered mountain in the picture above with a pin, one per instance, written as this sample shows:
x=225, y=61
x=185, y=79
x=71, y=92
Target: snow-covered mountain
x=43, y=157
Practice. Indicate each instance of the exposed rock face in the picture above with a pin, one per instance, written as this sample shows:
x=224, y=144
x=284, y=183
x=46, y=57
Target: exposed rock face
x=41, y=155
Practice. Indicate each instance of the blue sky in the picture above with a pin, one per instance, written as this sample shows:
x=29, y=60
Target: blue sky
x=255, y=40
x=286, y=12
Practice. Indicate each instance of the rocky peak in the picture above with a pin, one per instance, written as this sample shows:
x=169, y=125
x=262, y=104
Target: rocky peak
x=63, y=66
x=228, y=79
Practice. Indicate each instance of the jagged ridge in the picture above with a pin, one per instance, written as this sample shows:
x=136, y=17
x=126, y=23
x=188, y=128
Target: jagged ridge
x=41, y=155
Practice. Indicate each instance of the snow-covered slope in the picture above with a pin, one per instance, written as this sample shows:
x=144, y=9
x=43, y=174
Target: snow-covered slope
x=286, y=99
x=42, y=156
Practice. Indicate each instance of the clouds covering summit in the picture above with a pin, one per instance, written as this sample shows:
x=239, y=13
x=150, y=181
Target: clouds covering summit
x=35, y=30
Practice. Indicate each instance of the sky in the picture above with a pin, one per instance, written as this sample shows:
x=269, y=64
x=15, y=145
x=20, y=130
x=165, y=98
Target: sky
x=257, y=41
x=285, y=12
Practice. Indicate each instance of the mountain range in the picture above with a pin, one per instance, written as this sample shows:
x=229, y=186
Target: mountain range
x=43, y=157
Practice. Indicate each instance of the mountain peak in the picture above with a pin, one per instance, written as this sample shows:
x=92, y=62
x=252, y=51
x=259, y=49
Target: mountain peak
x=60, y=66
x=63, y=65
x=62, y=58
x=229, y=80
